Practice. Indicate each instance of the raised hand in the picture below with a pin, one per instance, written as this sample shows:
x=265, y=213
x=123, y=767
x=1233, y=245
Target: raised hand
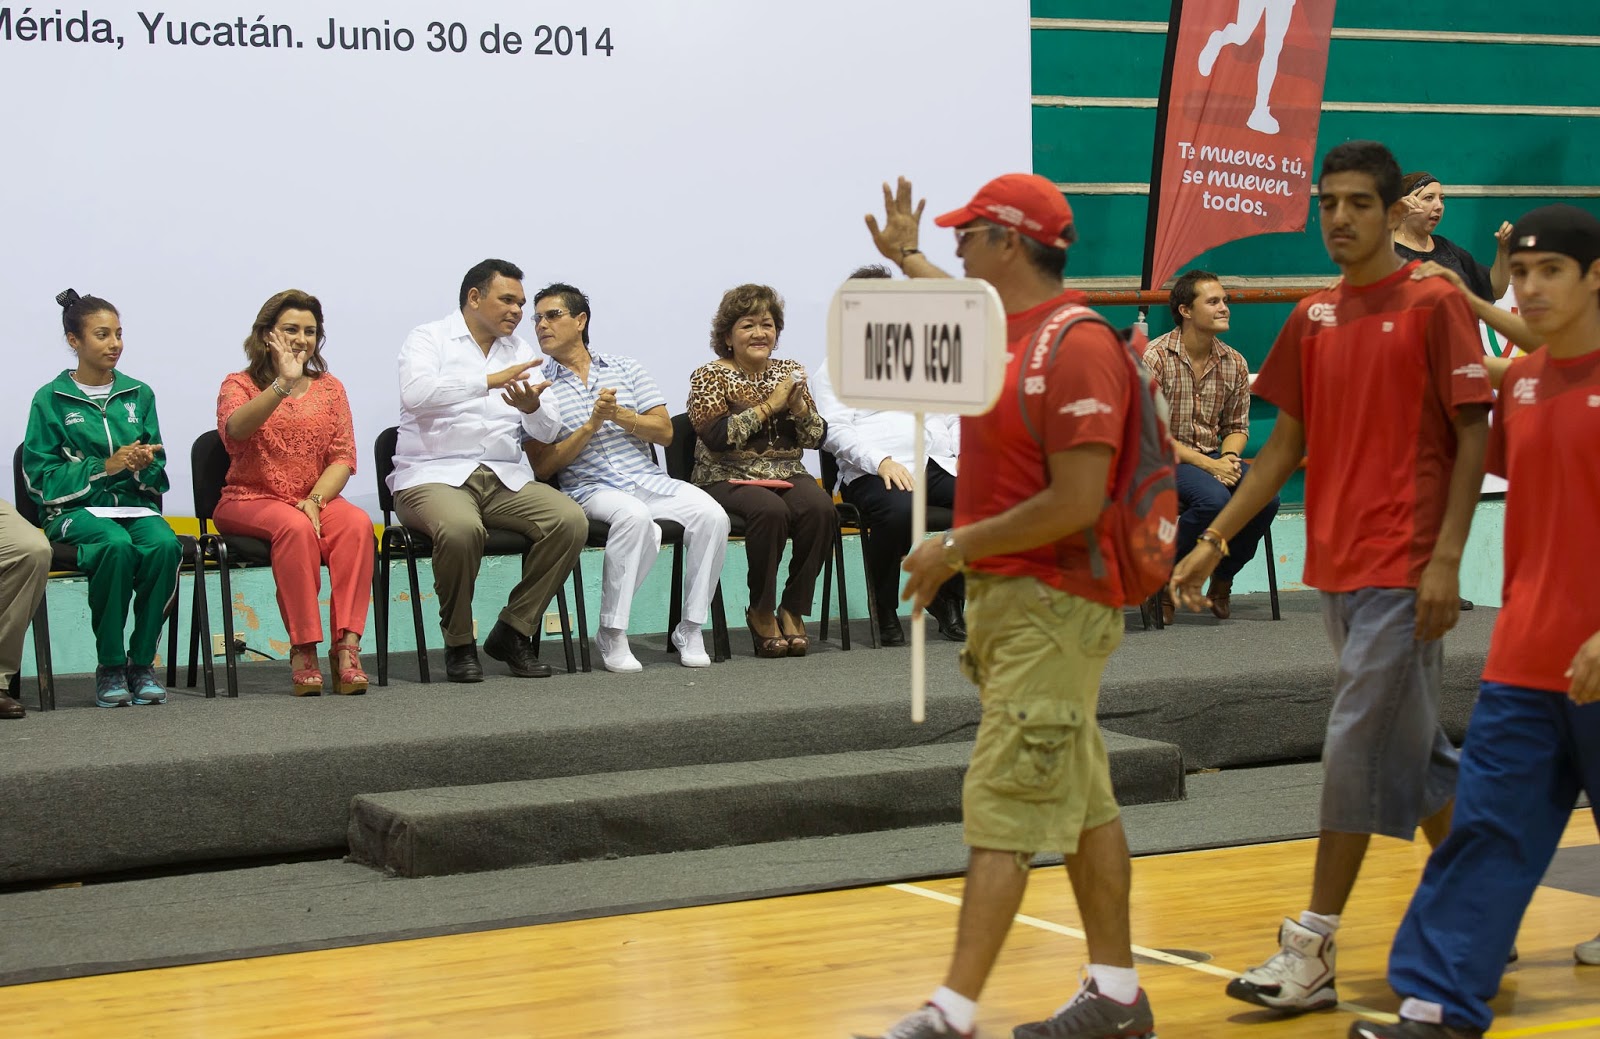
x=899, y=232
x=522, y=394
x=517, y=372
x=1502, y=237
x=288, y=358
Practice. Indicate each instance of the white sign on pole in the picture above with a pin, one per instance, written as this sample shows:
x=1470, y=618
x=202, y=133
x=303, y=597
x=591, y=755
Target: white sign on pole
x=932, y=344
x=935, y=344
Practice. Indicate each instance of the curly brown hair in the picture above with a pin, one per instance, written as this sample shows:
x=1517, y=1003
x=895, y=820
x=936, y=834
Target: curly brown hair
x=258, y=352
x=742, y=302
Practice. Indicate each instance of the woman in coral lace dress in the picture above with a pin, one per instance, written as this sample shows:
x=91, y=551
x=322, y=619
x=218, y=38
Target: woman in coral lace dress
x=287, y=426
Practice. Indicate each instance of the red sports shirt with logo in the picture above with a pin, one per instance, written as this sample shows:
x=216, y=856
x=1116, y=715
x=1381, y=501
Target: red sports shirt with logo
x=1546, y=426
x=1087, y=391
x=1376, y=374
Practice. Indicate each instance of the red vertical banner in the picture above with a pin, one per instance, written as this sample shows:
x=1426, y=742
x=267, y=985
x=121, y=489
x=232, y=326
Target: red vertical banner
x=1237, y=131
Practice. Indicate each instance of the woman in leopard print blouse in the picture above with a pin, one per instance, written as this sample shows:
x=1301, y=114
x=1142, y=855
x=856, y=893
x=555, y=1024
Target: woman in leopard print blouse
x=753, y=418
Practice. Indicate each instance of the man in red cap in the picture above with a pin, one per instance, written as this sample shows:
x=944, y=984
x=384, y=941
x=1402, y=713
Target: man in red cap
x=1040, y=623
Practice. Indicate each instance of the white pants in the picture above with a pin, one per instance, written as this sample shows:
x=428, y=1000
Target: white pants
x=635, y=543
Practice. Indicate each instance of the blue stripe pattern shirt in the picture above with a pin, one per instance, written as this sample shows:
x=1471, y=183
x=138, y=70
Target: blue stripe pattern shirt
x=613, y=459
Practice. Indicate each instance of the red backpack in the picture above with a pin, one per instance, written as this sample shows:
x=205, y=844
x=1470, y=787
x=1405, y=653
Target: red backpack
x=1143, y=531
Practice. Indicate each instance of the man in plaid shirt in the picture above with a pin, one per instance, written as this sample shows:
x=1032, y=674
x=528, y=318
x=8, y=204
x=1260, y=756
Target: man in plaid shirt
x=1207, y=384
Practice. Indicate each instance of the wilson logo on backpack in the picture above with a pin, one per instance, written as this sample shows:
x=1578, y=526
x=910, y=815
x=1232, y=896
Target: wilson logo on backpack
x=1141, y=515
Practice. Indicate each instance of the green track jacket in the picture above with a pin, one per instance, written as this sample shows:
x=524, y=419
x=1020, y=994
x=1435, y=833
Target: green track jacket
x=70, y=437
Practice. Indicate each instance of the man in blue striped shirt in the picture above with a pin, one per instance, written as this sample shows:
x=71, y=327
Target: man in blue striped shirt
x=610, y=413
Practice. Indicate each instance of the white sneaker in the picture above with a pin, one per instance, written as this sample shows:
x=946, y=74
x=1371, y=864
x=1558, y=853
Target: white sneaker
x=1298, y=979
x=614, y=652
x=926, y=1023
x=691, y=645
x=1588, y=952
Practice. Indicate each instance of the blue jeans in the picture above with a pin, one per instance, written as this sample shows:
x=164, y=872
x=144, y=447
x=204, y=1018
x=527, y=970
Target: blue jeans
x=1527, y=755
x=1200, y=497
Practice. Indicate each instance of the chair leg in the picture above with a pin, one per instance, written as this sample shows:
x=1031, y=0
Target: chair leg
x=844, y=595
x=583, y=621
x=566, y=626
x=44, y=667
x=200, y=628
x=172, y=639
x=872, y=600
x=827, y=586
x=229, y=655
x=416, y=618
x=720, y=648
x=380, y=610
x=1272, y=573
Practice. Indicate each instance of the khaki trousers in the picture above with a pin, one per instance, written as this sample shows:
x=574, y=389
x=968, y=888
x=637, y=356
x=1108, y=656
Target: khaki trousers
x=458, y=519
x=24, y=568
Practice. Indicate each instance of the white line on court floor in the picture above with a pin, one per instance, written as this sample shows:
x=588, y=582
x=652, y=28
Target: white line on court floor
x=1139, y=950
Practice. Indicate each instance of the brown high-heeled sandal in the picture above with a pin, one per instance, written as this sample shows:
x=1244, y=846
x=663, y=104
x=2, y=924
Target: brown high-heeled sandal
x=307, y=677
x=798, y=644
x=767, y=647
x=344, y=660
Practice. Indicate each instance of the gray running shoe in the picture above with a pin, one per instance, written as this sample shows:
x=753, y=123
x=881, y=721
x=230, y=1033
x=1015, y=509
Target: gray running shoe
x=111, y=687
x=143, y=685
x=1091, y=1015
x=1588, y=952
x=926, y=1023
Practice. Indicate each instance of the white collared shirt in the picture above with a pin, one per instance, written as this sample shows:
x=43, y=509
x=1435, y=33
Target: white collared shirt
x=451, y=422
x=861, y=438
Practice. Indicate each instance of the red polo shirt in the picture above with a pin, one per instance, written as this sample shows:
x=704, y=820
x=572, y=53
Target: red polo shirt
x=1087, y=390
x=1376, y=373
x=1546, y=425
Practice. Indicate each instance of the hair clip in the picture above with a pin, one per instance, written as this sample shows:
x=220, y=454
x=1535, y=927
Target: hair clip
x=67, y=298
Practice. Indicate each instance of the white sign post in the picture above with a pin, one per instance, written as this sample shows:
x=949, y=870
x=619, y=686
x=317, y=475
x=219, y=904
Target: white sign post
x=935, y=344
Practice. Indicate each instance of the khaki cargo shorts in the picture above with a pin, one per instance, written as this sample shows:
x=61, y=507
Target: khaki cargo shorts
x=1039, y=775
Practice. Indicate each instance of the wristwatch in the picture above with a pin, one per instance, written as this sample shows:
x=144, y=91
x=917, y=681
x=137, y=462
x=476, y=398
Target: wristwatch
x=952, y=552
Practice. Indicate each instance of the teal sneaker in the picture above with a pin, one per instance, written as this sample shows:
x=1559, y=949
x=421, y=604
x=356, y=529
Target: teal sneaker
x=143, y=685
x=111, y=687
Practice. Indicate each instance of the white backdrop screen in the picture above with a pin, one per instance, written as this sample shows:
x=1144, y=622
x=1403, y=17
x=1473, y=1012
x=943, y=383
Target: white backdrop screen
x=185, y=172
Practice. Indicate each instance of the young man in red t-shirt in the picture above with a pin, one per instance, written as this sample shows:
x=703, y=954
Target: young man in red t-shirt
x=1380, y=386
x=1040, y=624
x=1534, y=741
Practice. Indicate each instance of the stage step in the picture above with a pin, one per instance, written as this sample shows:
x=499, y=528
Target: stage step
x=459, y=829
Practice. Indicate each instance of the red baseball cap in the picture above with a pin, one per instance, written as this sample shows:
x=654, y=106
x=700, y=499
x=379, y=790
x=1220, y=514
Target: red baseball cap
x=1026, y=201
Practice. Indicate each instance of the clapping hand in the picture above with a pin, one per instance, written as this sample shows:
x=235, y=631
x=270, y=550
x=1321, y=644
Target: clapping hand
x=516, y=373
x=522, y=394
x=605, y=409
x=133, y=457
x=797, y=392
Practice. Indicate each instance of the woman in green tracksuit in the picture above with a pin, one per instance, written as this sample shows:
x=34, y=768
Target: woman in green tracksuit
x=94, y=463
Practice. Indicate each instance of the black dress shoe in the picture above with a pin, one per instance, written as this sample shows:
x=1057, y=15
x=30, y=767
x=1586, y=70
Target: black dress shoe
x=946, y=612
x=890, y=633
x=515, y=650
x=461, y=663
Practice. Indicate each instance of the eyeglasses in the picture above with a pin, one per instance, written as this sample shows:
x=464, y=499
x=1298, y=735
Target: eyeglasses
x=962, y=233
x=552, y=315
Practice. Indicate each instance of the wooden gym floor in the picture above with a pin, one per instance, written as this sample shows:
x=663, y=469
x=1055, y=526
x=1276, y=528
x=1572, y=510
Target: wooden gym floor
x=825, y=964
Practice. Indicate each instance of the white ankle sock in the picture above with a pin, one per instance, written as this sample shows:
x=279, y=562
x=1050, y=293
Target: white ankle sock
x=1319, y=923
x=960, y=1011
x=1414, y=1009
x=1118, y=983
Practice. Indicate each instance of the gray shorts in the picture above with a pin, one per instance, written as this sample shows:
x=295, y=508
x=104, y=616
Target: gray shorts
x=1386, y=763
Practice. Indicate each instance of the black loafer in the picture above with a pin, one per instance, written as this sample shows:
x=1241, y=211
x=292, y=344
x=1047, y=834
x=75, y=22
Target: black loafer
x=461, y=663
x=946, y=612
x=515, y=650
x=890, y=633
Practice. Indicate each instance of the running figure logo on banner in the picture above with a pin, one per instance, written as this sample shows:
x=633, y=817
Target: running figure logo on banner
x=1237, y=33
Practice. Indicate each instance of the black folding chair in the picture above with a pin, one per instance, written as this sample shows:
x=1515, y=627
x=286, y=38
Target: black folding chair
x=680, y=465
x=415, y=544
x=64, y=563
